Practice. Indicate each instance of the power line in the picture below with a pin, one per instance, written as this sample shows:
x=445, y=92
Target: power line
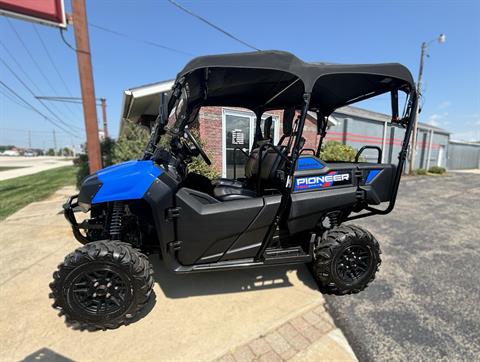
x=13, y=99
x=42, y=73
x=33, y=94
x=190, y=12
x=76, y=100
x=20, y=67
x=54, y=66
x=29, y=130
x=147, y=42
x=51, y=61
x=36, y=110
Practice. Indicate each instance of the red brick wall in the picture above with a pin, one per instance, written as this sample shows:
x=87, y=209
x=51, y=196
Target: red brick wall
x=210, y=128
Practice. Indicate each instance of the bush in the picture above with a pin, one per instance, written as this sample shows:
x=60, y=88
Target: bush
x=198, y=165
x=336, y=151
x=106, y=146
x=437, y=169
x=131, y=145
x=420, y=171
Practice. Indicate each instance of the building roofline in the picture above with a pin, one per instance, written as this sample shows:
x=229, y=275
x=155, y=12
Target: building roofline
x=381, y=117
x=467, y=143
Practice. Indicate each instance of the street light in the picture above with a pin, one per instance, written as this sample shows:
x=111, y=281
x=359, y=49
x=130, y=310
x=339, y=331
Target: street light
x=441, y=39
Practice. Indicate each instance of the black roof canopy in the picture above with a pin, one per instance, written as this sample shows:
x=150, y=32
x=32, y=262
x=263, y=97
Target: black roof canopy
x=276, y=79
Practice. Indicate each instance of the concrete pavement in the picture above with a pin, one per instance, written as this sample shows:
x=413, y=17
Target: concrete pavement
x=199, y=317
x=30, y=165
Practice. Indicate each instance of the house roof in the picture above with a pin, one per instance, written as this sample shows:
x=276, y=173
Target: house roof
x=142, y=100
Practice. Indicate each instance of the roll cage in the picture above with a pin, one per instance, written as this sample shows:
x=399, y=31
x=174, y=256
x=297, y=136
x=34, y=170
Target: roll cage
x=270, y=80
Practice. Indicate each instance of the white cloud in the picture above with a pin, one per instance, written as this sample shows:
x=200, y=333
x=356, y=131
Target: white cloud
x=437, y=119
x=444, y=104
x=473, y=135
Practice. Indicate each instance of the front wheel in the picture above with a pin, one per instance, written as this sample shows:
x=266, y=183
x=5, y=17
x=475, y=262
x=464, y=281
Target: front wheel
x=102, y=285
x=346, y=260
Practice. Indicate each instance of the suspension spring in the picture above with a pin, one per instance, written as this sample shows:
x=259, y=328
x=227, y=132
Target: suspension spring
x=116, y=220
x=334, y=218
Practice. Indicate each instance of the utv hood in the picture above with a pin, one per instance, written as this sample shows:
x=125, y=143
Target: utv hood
x=125, y=181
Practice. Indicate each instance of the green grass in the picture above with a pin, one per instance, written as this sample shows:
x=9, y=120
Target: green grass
x=21, y=191
x=6, y=168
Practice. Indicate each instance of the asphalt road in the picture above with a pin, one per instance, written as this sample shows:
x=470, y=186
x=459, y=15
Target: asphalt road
x=425, y=303
x=22, y=166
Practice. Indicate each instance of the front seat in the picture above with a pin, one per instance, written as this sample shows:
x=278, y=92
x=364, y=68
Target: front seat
x=229, y=193
x=272, y=162
x=247, y=181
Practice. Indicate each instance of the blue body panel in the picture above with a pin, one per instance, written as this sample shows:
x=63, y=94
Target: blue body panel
x=309, y=163
x=371, y=175
x=126, y=181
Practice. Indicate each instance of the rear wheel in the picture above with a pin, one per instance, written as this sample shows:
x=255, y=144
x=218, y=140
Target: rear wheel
x=101, y=285
x=346, y=260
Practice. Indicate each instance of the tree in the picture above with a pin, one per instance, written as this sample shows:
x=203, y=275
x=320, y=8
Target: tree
x=51, y=152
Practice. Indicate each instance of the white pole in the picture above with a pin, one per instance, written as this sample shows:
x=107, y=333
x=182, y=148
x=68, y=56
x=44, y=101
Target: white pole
x=429, y=149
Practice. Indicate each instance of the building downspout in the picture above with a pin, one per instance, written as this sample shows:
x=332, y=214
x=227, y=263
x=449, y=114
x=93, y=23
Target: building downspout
x=384, y=140
x=429, y=149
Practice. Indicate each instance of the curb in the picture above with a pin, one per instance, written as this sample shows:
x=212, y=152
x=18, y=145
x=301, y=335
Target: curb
x=309, y=336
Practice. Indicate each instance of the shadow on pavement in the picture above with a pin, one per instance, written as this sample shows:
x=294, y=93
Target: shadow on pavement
x=46, y=354
x=227, y=281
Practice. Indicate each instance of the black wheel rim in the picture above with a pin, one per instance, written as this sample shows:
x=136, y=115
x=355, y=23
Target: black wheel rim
x=101, y=291
x=353, y=263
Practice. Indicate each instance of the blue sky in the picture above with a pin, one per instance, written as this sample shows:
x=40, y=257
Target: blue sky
x=334, y=31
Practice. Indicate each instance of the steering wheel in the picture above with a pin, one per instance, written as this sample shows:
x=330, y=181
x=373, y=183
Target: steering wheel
x=197, y=146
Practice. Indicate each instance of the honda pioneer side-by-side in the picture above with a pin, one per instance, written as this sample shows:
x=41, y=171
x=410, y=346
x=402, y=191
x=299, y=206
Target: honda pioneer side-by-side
x=289, y=207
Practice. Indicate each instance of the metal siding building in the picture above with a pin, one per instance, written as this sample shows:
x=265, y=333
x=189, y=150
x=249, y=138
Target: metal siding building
x=358, y=127
x=463, y=155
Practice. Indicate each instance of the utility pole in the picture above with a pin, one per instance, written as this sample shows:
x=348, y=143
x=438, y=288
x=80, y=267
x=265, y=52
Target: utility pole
x=86, y=82
x=413, y=151
x=29, y=139
x=104, y=115
x=54, y=141
x=441, y=39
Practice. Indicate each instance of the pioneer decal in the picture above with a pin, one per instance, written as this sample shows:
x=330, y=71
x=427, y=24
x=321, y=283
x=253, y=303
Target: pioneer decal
x=333, y=178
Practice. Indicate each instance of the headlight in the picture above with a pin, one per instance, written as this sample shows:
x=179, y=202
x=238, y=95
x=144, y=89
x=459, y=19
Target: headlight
x=89, y=188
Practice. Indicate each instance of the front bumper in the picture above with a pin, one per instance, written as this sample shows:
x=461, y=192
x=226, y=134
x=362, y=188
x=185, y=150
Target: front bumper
x=69, y=208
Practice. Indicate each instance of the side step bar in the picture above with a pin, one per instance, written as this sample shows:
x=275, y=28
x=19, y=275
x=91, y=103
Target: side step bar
x=272, y=256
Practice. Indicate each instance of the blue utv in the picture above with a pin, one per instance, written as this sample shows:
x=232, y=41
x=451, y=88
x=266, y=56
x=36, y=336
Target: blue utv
x=290, y=206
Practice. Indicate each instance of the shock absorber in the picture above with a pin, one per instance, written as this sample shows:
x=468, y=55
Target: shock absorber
x=116, y=220
x=332, y=220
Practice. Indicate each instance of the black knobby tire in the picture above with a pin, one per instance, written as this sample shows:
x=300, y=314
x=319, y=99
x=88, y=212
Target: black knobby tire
x=102, y=285
x=346, y=260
